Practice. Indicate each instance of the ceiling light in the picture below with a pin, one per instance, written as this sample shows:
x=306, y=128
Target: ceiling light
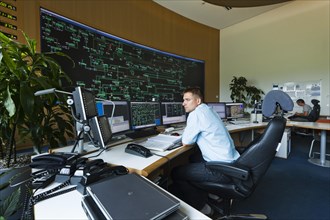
x=244, y=3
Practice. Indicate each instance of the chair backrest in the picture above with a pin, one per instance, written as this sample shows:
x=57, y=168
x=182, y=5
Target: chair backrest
x=260, y=153
x=315, y=113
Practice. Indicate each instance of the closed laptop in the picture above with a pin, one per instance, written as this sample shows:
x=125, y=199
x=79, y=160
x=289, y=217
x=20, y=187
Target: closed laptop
x=132, y=197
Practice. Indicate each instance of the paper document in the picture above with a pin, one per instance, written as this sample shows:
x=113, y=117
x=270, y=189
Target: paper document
x=161, y=142
x=166, y=138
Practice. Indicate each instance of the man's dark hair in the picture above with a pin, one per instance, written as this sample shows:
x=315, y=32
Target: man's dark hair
x=195, y=91
x=301, y=101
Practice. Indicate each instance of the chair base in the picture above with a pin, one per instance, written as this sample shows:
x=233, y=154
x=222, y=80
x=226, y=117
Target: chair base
x=245, y=216
x=326, y=163
x=220, y=208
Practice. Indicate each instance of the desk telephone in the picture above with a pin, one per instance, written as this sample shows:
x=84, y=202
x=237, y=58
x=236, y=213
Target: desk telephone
x=68, y=170
x=52, y=161
x=60, y=168
x=138, y=150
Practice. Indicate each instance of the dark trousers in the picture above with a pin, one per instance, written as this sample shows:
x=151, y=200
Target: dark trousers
x=195, y=171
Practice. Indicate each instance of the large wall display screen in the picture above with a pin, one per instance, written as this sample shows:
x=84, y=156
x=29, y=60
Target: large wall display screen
x=115, y=68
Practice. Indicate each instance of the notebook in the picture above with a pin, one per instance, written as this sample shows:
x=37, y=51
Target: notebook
x=131, y=197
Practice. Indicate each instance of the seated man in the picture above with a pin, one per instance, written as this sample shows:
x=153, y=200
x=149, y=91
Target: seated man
x=301, y=116
x=204, y=128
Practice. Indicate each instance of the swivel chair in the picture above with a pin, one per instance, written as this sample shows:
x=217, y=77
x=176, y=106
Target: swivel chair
x=245, y=173
x=315, y=113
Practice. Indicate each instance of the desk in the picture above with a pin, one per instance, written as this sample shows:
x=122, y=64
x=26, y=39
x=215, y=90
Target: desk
x=68, y=206
x=56, y=208
x=323, y=127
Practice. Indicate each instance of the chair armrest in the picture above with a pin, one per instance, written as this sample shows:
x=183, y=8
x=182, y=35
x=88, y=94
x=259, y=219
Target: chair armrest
x=229, y=170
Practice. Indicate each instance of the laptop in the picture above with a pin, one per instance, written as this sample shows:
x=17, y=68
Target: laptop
x=94, y=213
x=129, y=196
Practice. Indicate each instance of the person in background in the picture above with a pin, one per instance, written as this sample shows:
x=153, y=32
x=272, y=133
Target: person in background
x=305, y=111
x=205, y=129
x=306, y=108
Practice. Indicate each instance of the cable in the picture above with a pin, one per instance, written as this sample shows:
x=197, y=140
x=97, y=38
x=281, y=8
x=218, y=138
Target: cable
x=97, y=154
x=113, y=109
x=168, y=166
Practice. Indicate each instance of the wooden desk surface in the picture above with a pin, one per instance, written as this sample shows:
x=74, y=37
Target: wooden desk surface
x=116, y=154
x=309, y=125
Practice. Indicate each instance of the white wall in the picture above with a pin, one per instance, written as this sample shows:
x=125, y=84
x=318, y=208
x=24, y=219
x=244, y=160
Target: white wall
x=287, y=44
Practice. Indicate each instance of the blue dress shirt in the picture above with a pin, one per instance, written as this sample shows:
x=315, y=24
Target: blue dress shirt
x=205, y=128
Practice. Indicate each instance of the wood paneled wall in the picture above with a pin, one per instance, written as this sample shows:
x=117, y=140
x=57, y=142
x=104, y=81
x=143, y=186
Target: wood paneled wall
x=141, y=21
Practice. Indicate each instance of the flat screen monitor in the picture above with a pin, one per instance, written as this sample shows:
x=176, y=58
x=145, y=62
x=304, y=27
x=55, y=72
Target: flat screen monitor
x=234, y=110
x=84, y=103
x=172, y=113
x=101, y=131
x=145, y=114
x=219, y=107
x=120, y=122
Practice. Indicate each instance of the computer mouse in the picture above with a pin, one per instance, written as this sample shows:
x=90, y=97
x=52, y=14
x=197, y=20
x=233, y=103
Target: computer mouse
x=175, y=134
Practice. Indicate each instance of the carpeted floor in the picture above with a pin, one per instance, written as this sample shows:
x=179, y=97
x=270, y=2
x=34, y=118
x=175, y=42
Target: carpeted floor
x=292, y=188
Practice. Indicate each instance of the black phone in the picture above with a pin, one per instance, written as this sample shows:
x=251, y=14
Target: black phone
x=52, y=161
x=138, y=150
x=48, y=161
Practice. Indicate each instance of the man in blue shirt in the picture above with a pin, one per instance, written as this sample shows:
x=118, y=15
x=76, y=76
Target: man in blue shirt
x=204, y=128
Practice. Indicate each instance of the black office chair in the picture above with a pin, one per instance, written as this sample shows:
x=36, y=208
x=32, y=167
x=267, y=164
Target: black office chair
x=315, y=113
x=245, y=173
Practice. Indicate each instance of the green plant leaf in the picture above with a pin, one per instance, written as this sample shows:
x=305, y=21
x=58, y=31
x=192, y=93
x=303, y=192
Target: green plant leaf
x=11, y=204
x=27, y=98
x=9, y=104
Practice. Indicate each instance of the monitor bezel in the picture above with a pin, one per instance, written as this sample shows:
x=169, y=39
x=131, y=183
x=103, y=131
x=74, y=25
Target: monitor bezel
x=218, y=103
x=82, y=106
x=117, y=103
x=234, y=104
x=140, y=127
x=99, y=126
x=175, y=122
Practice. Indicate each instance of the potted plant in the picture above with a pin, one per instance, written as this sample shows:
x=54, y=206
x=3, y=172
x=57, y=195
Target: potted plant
x=242, y=92
x=42, y=119
x=13, y=189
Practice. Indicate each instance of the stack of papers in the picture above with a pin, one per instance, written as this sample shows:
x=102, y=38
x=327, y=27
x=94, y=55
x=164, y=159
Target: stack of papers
x=161, y=142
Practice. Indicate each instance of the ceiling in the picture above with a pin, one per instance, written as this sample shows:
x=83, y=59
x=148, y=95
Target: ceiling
x=212, y=15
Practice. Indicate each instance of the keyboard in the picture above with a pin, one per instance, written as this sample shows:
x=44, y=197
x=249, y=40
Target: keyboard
x=141, y=134
x=159, y=146
x=239, y=122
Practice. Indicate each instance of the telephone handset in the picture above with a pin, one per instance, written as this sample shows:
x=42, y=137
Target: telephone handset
x=51, y=161
x=48, y=161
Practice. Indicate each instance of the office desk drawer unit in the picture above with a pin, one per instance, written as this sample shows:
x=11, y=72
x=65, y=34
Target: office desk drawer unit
x=285, y=148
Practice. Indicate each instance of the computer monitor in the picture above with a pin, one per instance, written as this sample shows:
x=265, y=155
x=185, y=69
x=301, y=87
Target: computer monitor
x=145, y=114
x=219, y=107
x=84, y=103
x=172, y=113
x=120, y=121
x=234, y=110
x=101, y=131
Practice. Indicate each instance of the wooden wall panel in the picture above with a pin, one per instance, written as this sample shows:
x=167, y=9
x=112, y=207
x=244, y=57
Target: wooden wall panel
x=144, y=22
